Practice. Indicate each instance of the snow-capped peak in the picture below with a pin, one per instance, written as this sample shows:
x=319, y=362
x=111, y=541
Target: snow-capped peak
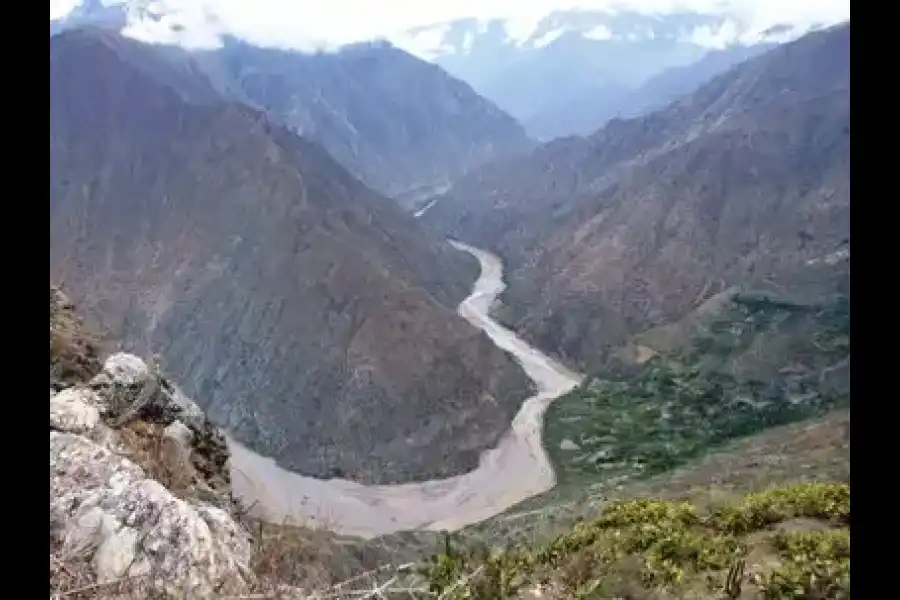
x=711, y=31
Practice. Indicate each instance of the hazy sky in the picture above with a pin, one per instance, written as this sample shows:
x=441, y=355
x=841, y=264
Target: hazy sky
x=284, y=22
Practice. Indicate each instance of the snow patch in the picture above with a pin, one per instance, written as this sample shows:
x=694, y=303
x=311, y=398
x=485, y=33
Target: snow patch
x=548, y=38
x=521, y=29
x=467, y=43
x=427, y=43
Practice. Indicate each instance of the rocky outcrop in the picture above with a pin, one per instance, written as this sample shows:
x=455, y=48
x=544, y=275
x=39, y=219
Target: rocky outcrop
x=139, y=490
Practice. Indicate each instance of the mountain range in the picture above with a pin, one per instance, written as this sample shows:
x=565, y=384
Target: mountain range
x=569, y=71
x=313, y=317
x=396, y=122
x=744, y=182
x=686, y=254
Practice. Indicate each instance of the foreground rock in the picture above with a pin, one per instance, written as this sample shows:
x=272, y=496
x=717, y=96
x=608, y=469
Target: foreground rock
x=106, y=510
x=139, y=490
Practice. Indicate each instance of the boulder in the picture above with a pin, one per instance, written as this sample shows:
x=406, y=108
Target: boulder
x=107, y=513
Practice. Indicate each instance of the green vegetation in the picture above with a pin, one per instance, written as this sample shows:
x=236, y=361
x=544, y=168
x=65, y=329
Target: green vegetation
x=816, y=564
x=673, y=547
x=678, y=406
x=813, y=501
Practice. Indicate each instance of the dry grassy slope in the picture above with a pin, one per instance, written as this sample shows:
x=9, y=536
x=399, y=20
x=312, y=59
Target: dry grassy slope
x=631, y=227
x=304, y=312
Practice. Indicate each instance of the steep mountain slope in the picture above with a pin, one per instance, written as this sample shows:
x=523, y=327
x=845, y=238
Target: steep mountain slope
x=395, y=121
x=747, y=179
x=579, y=64
x=593, y=108
x=307, y=314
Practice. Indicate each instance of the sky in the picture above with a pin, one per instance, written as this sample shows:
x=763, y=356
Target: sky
x=304, y=23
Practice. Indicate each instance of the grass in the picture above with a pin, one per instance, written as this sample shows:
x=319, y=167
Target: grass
x=75, y=349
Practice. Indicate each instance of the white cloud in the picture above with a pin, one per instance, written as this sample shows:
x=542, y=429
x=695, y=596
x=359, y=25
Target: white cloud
x=317, y=23
x=60, y=8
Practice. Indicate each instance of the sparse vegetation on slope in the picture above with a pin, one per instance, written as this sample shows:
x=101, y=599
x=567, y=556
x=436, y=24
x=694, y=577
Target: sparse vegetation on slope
x=631, y=227
x=74, y=348
x=786, y=542
x=676, y=407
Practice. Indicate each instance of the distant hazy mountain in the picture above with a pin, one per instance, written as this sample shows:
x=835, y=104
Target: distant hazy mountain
x=397, y=122
x=567, y=63
x=589, y=112
x=310, y=316
x=747, y=179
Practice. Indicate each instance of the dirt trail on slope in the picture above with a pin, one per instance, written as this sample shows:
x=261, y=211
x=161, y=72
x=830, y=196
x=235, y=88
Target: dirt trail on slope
x=516, y=469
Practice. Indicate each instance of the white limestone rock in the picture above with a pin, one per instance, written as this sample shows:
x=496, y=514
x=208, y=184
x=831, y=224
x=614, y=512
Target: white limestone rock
x=125, y=369
x=105, y=510
x=75, y=410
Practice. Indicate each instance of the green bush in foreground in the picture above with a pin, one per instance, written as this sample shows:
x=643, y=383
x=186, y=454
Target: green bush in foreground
x=671, y=546
x=816, y=565
x=813, y=501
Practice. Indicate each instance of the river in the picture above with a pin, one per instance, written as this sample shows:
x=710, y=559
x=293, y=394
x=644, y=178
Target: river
x=517, y=469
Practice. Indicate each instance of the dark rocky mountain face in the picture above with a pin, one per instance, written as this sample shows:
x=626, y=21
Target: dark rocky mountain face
x=309, y=315
x=746, y=181
x=393, y=120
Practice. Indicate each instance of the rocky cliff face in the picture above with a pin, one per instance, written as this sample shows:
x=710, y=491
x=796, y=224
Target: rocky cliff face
x=305, y=313
x=746, y=180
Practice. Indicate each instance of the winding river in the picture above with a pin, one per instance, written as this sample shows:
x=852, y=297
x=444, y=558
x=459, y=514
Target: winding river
x=516, y=469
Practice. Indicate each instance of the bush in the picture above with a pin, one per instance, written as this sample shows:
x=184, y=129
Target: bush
x=671, y=546
x=817, y=565
x=826, y=501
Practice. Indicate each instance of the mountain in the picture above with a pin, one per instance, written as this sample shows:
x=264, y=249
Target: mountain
x=587, y=113
x=396, y=122
x=540, y=69
x=744, y=182
x=311, y=317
